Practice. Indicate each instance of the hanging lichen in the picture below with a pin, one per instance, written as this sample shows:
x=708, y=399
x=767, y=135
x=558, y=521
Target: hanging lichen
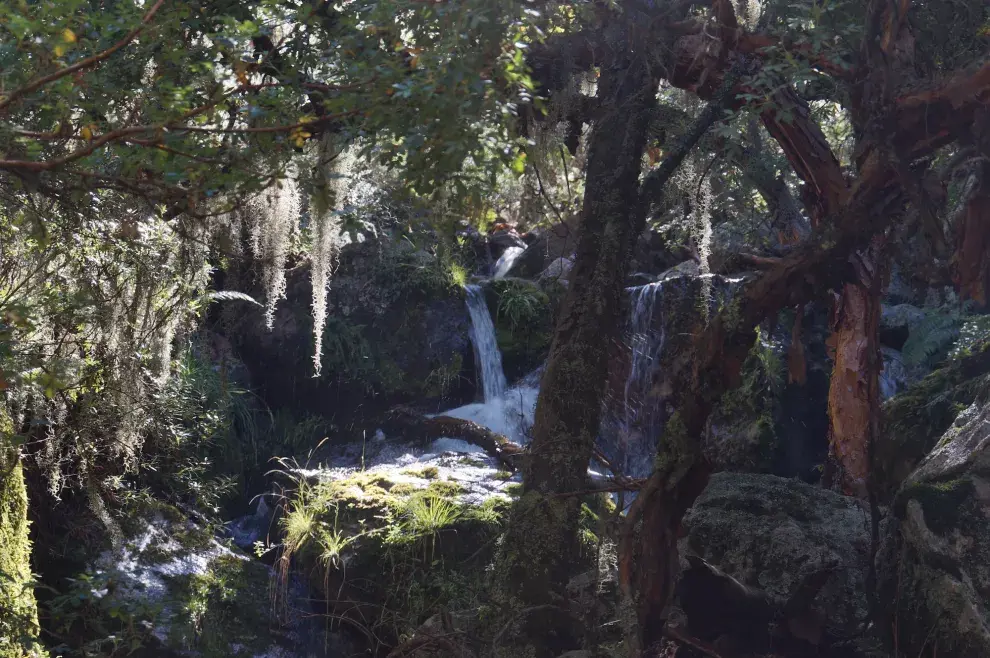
x=330, y=192
x=273, y=219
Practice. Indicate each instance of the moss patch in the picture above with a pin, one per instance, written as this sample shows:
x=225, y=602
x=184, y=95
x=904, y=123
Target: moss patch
x=914, y=421
x=18, y=609
x=400, y=550
x=224, y=611
x=524, y=321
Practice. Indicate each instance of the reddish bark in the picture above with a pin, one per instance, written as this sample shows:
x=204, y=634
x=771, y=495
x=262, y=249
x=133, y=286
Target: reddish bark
x=854, y=398
x=971, y=261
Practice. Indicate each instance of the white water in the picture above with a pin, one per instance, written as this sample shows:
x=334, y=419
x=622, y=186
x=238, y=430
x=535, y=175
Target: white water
x=646, y=346
x=486, y=353
x=507, y=260
x=510, y=415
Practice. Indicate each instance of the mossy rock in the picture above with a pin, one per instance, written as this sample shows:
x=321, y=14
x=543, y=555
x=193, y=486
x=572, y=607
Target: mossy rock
x=914, y=421
x=934, y=573
x=523, y=314
x=397, y=545
x=223, y=611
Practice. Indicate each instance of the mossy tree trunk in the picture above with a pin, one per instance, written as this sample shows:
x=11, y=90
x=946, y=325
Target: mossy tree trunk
x=541, y=546
x=18, y=610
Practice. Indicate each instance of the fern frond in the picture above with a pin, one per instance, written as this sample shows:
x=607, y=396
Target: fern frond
x=931, y=338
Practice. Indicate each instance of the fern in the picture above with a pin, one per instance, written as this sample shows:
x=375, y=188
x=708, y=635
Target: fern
x=931, y=338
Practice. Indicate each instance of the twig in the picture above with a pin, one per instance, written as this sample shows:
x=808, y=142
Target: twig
x=82, y=64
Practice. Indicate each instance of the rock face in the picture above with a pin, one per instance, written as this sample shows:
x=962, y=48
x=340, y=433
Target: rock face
x=935, y=570
x=557, y=241
x=914, y=420
x=770, y=533
x=397, y=331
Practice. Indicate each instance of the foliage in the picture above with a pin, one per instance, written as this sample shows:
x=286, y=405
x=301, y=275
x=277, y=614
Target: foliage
x=88, y=622
x=213, y=99
x=524, y=319
x=931, y=338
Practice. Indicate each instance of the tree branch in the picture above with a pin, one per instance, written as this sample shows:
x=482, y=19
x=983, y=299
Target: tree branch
x=91, y=61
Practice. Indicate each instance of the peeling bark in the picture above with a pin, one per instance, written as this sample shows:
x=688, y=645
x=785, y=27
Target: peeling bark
x=971, y=261
x=854, y=395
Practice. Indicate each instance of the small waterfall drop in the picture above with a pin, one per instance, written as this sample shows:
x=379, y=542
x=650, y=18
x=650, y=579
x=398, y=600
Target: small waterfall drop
x=508, y=411
x=486, y=352
x=507, y=260
x=635, y=425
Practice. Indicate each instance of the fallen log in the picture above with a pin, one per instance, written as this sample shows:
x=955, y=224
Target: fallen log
x=413, y=426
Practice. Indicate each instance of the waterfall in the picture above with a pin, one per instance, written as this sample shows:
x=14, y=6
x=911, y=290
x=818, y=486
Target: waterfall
x=507, y=260
x=486, y=353
x=635, y=425
x=507, y=411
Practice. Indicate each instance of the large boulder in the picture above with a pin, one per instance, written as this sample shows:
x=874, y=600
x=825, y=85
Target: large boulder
x=772, y=533
x=914, y=420
x=550, y=244
x=935, y=571
x=397, y=331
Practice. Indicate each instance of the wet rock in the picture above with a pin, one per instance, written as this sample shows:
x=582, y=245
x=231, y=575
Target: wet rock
x=557, y=241
x=397, y=331
x=900, y=315
x=772, y=533
x=182, y=592
x=935, y=567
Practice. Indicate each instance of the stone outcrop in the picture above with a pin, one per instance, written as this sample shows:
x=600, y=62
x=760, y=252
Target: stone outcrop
x=772, y=534
x=397, y=332
x=935, y=566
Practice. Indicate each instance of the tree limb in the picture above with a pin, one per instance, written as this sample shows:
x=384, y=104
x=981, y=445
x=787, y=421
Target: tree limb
x=89, y=62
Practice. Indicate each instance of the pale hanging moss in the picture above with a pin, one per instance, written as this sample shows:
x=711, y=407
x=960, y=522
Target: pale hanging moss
x=333, y=166
x=273, y=220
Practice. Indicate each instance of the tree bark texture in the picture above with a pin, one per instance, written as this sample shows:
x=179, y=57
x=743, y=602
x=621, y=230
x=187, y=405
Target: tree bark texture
x=854, y=392
x=541, y=545
x=971, y=261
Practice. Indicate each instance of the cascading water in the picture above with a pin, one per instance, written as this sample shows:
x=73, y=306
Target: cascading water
x=507, y=260
x=508, y=411
x=486, y=352
x=634, y=426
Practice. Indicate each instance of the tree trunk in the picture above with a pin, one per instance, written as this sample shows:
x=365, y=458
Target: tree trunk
x=971, y=261
x=854, y=392
x=541, y=545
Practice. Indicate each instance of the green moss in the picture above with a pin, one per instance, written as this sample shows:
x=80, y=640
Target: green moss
x=223, y=612
x=408, y=551
x=523, y=316
x=914, y=421
x=426, y=472
x=445, y=489
x=503, y=475
x=943, y=503
x=18, y=609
